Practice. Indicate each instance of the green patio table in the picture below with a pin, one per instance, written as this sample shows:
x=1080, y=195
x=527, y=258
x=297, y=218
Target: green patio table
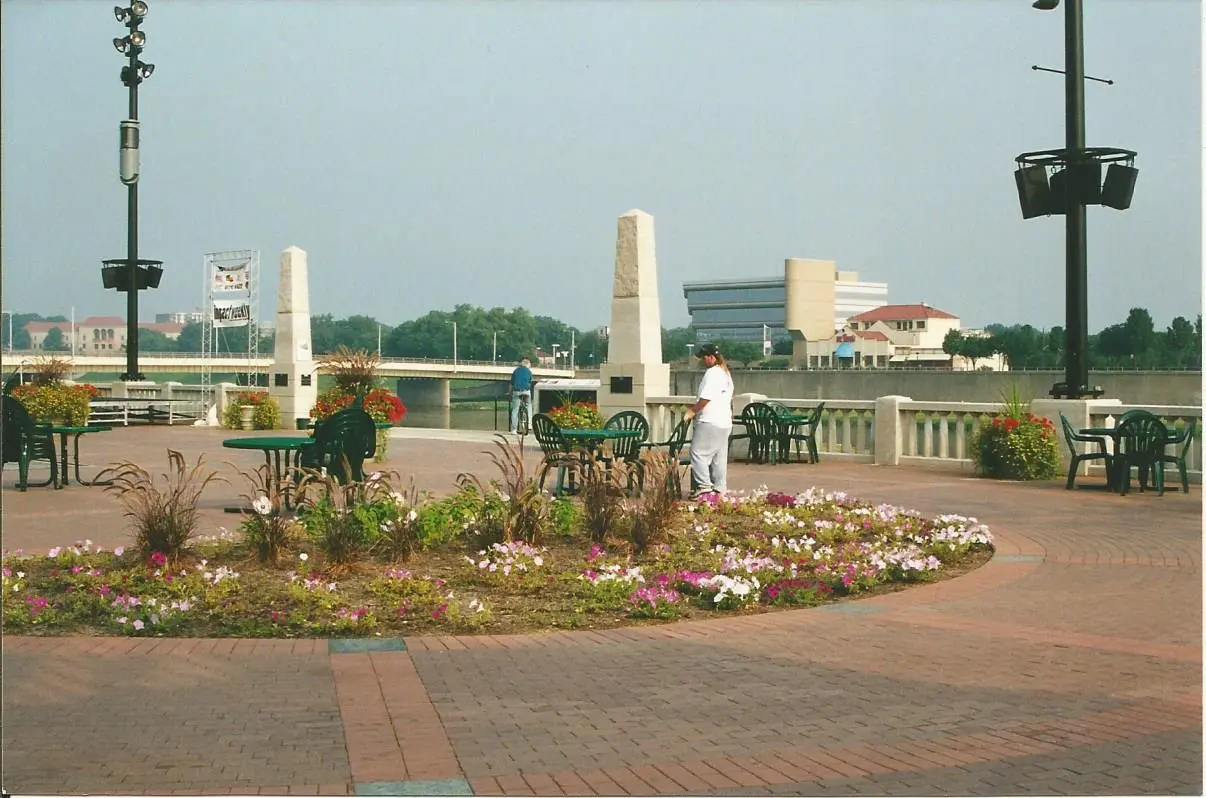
x=278, y=451
x=63, y=432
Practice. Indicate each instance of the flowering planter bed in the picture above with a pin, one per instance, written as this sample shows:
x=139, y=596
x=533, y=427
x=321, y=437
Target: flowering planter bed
x=746, y=553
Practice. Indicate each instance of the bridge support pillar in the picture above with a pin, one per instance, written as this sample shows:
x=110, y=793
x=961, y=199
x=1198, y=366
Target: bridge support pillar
x=426, y=393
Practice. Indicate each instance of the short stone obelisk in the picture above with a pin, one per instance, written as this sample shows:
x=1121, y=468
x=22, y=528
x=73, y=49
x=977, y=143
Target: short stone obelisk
x=634, y=367
x=294, y=382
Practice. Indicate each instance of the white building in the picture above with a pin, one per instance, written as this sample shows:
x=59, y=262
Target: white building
x=896, y=336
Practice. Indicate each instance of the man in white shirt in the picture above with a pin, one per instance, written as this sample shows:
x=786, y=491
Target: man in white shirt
x=713, y=416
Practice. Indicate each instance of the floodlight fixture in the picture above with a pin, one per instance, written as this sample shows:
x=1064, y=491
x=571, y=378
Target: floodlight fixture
x=1045, y=5
x=121, y=44
x=138, y=9
x=137, y=38
x=121, y=13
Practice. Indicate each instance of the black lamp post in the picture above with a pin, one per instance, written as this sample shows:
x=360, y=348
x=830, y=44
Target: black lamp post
x=1070, y=189
x=133, y=277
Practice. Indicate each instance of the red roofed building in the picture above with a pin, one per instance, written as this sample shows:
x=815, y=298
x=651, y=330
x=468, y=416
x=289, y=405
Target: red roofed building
x=895, y=336
x=95, y=335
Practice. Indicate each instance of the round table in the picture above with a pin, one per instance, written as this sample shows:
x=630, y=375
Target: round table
x=278, y=451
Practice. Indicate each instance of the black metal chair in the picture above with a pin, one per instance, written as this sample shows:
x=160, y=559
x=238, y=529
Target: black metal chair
x=557, y=454
x=341, y=445
x=1072, y=437
x=22, y=440
x=1184, y=439
x=1141, y=441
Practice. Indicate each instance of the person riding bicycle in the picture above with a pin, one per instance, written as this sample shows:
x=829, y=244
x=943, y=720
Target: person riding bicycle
x=520, y=391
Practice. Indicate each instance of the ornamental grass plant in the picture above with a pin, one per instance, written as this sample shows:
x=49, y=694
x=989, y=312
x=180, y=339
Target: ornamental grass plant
x=162, y=511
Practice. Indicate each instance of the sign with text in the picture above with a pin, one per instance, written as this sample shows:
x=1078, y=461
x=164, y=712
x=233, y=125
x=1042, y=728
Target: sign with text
x=231, y=312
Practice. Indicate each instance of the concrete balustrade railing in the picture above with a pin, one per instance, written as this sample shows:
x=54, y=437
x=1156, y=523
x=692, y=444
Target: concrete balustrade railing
x=895, y=430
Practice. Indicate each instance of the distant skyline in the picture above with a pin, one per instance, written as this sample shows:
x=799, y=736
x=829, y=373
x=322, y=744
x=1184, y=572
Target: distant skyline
x=430, y=154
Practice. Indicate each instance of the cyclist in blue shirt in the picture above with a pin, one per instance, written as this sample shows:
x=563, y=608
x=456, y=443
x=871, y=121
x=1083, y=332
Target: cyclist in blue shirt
x=520, y=390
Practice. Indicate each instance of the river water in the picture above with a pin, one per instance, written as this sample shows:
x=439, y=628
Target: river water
x=458, y=418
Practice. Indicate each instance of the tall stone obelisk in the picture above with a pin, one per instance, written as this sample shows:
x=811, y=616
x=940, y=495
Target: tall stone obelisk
x=634, y=367
x=294, y=382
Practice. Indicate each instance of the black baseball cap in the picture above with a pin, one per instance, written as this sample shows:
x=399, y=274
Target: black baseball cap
x=707, y=349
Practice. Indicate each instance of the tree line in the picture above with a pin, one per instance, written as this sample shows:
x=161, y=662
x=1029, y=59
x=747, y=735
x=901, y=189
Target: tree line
x=1131, y=344
x=505, y=336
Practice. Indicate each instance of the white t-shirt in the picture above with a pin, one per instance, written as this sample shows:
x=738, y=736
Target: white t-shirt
x=717, y=387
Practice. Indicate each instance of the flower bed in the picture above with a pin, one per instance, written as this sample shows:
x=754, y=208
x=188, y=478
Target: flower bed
x=746, y=553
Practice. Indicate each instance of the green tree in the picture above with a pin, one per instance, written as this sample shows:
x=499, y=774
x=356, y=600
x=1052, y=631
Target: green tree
x=324, y=334
x=952, y=343
x=1021, y=344
x=674, y=343
x=154, y=341
x=54, y=341
x=189, y=339
x=1179, y=348
x=978, y=347
x=1140, y=333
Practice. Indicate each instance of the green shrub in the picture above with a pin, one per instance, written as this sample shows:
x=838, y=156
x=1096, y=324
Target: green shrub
x=267, y=413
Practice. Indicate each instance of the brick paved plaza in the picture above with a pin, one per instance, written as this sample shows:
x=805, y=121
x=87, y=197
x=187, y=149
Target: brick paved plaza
x=1070, y=664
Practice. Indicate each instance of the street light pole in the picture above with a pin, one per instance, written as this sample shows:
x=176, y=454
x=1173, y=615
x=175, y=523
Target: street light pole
x=1076, y=267
x=454, y=346
x=131, y=75
x=494, y=353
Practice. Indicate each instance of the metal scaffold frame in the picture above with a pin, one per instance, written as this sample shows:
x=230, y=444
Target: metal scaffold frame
x=232, y=290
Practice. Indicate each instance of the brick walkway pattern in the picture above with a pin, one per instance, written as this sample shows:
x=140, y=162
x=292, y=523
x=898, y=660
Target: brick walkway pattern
x=1070, y=664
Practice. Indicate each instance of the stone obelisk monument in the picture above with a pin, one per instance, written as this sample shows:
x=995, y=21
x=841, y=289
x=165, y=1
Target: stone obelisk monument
x=294, y=381
x=634, y=367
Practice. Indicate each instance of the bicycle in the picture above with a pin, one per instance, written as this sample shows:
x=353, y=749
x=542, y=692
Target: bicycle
x=523, y=425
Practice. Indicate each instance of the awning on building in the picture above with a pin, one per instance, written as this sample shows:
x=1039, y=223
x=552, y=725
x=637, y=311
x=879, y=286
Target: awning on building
x=845, y=351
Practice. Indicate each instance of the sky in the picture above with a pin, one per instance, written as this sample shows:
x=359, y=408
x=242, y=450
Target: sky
x=430, y=153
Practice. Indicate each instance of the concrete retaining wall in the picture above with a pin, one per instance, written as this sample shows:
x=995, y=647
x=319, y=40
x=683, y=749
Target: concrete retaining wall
x=1137, y=388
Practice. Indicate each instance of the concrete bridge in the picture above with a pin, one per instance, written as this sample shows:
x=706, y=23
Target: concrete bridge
x=194, y=362
x=422, y=382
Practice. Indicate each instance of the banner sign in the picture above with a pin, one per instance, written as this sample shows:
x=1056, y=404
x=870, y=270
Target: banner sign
x=231, y=312
x=232, y=277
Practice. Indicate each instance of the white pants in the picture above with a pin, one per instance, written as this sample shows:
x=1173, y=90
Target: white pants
x=710, y=457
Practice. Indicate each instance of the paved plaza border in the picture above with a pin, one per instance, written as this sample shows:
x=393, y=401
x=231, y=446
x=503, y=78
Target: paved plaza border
x=1069, y=664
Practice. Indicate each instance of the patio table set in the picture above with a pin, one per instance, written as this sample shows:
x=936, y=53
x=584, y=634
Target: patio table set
x=621, y=440
x=26, y=440
x=1139, y=441
x=772, y=429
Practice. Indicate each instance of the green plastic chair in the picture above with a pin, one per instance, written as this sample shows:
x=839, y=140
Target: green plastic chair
x=557, y=454
x=341, y=445
x=1141, y=440
x=805, y=433
x=22, y=441
x=762, y=428
x=1184, y=439
x=1072, y=437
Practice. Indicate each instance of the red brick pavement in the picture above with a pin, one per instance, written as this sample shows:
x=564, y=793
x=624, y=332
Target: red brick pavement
x=1071, y=663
